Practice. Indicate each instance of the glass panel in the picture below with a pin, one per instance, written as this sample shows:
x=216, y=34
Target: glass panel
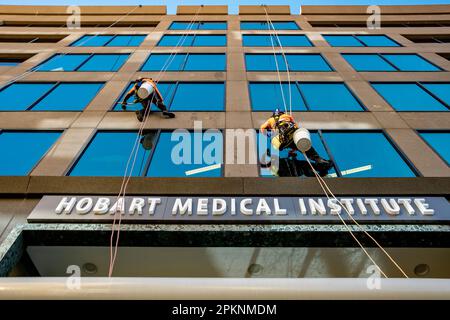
x=68, y=62
x=126, y=41
x=372, y=155
x=174, y=40
x=250, y=40
x=176, y=155
x=166, y=90
x=268, y=97
x=408, y=97
x=199, y=97
x=157, y=61
x=8, y=63
x=337, y=97
x=104, y=62
x=210, y=41
x=410, y=62
x=20, y=96
x=262, y=25
x=264, y=62
x=92, y=41
x=307, y=62
x=212, y=25
x=205, y=62
x=377, y=41
x=440, y=142
x=343, y=41
x=108, y=154
x=440, y=90
x=21, y=151
x=368, y=62
x=181, y=25
x=316, y=142
x=69, y=97
x=294, y=41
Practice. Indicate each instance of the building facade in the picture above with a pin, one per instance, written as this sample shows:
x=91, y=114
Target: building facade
x=375, y=100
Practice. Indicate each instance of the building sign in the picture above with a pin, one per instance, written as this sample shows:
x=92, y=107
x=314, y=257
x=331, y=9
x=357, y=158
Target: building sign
x=154, y=209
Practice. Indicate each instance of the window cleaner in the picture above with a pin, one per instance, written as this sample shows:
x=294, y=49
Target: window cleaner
x=291, y=136
x=146, y=91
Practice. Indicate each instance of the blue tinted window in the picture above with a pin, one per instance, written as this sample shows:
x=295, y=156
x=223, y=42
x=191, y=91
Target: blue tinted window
x=104, y=62
x=343, y=41
x=68, y=62
x=184, y=96
x=377, y=41
x=171, y=161
x=375, y=156
x=92, y=41
x=316, y=142
x=199, y=97
x=408, y=97
x=69, y=97
x=212, y=25
x=262, y=25
x=410, y=62
x=267, y=96
x=207, y=25
x=21, y=151
x=440, y=90
x=126, y=41
x=172, y=40
x=297, y=62
x=210, y=41
x=8, y=63
x=440, y=142
x=100, y=159
x=329, y=97
x=368, y=62
x=20, y=96
x=166, y=90
x=250, y=40
x=205, y=62
x=169, y=62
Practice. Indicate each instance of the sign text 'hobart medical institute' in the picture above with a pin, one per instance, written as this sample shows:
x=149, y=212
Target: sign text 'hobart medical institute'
x=141, y=209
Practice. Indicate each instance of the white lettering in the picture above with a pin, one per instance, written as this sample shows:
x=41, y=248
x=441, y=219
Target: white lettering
x=178, y=206
x=301, y=203
x=373, y=205
x=263, y=206
x=407, y=204
x=137, y=204
x=348, y=204
x=202, y=207
x=278, y=211
x=244, y=209
x=119, y=206
x=219, y=207
x=361, y=206
x=393, y=208
x=101, y=206
x=317, y=206
x=152, y=202
x=65, y=205
x=84, y=205
x=423, y=207
x=334, y=206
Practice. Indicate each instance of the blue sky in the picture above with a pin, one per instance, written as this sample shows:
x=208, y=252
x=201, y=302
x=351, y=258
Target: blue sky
x=232, y=4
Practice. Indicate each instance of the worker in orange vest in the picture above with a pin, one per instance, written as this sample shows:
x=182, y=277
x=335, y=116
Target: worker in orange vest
x=286, y=126
x=154, y=97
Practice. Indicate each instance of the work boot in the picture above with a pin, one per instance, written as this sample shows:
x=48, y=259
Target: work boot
x=323, y=164
x=168, y=114
x=140, y=115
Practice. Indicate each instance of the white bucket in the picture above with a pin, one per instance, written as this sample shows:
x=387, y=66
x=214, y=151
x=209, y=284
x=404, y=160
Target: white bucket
x=302, y=139
x=145, y=90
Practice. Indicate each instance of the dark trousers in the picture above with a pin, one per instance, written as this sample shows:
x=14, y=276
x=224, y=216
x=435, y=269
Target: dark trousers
x=153, y=98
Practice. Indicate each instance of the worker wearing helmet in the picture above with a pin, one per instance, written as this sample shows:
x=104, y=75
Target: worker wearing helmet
x=286, y=126
x=154, y=97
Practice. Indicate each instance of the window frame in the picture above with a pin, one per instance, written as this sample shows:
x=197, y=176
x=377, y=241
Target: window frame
x=183, y=65
x=146, y=167
x=419, y=133
x=298, y=83
x=194, y=36
x=172, y=96
x=55, y=85
x=198, y=23
x=91, y=54
x=420, y=84
x=287, y=54
x=388, y=138
x=355, y=36
x=113, y=36
x=265, y=22
x=61, y=131
x=381, y=56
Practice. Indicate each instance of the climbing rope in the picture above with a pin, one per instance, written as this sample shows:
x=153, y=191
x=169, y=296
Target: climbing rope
x=134, y=151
